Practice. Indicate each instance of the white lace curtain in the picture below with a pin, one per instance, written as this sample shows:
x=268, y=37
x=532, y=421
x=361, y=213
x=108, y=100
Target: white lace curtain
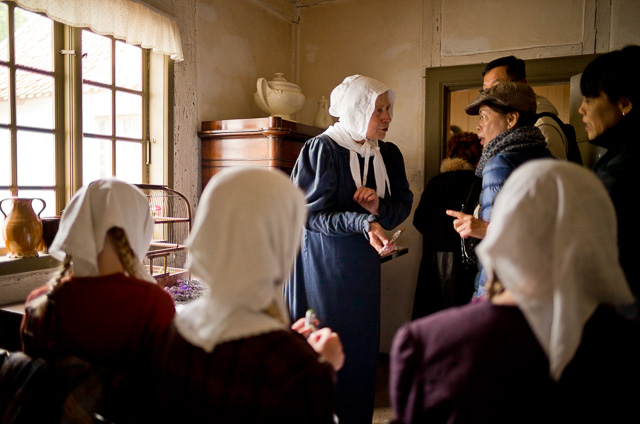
x=129, y=20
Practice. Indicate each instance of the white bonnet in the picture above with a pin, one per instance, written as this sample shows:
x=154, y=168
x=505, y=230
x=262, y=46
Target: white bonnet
x=354, y=100
x=93, y=211
x=552, y=244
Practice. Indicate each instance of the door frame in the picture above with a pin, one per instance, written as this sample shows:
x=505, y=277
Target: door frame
x=439, y=82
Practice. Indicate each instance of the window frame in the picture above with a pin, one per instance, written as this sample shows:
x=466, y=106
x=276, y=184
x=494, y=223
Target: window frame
x=76, y=40
x=13, y=127
x=68, y=131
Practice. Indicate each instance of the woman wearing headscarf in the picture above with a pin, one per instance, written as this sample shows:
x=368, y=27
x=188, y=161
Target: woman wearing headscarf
x=548, y=346
x=230, y=355
x=444, y=279
x=355, y=186
x=509, y=137
x=103, y=307
x=611, y=89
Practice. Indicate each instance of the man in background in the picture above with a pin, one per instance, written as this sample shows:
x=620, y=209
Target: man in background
x=510, y=68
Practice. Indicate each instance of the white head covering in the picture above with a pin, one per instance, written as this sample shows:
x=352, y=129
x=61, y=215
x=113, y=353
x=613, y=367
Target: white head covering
x=552, y=244
x=93, y=211
x=353, y=102
x=243, y=244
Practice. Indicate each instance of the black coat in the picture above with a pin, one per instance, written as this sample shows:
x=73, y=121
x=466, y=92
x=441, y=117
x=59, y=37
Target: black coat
x=617, y=170
x=442, y=280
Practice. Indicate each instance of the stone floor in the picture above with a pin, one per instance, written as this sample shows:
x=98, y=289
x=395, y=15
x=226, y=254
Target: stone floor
x=382, y=413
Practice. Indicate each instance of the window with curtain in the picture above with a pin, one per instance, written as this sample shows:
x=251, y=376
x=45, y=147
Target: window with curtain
x=74, y=103
x=28, y=129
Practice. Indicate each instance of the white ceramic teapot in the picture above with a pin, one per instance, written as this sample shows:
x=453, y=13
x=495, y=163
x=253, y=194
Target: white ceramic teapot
x=279, y=97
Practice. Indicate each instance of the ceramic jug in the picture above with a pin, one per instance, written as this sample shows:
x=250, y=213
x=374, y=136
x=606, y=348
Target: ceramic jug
x=279, y=97
x=22, y=228
x=323, y=119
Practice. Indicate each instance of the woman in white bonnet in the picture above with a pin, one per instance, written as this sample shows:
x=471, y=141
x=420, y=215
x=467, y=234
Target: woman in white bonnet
x=231, y=355
x=355, y=187
x=548, y=346
x=108, y=309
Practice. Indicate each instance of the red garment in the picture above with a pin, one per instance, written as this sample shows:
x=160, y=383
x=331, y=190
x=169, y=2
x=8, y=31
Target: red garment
x=112, y=318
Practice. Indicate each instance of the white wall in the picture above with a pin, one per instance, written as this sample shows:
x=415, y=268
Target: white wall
x=227, y=45
x=238, y=42
x=461, y=32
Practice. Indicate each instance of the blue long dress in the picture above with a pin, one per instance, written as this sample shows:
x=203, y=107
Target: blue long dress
x=338, y=272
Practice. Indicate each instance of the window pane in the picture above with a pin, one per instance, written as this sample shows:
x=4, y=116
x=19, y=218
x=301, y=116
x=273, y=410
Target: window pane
x=34, y=100
x=6, y=206
x=5, y=114
x=129, y=161
x=49, y=196
x=128, y=115
x=4, y=31
x=128, y=66
x=33, y=37
x=5, y=158
x=96, y=159
x=36, y=159
x=96, y=110
x=96, y=65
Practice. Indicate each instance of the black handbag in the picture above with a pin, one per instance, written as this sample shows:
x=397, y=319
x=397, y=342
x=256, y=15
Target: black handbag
x=468, y=245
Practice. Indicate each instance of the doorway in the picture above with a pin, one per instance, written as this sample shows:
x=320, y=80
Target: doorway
x=446, y=88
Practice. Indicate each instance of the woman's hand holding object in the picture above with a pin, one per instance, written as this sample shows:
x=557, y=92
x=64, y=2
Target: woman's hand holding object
x=301, y=326
x=378, y=239
x=327, y=344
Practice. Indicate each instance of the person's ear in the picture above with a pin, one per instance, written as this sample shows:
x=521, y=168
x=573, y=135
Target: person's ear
x=624, y=105
x=512, y=119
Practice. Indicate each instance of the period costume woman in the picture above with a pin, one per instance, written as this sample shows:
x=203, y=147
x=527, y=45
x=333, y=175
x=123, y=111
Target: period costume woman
x=548, y=346
x=108, y=309
x=355, y=185
x=230, y=355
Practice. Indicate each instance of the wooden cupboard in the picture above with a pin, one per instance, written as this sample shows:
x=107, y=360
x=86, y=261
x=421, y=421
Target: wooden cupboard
x=270, y=142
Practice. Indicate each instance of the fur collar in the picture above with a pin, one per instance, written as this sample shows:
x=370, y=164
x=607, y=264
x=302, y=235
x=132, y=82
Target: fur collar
x=455, y=164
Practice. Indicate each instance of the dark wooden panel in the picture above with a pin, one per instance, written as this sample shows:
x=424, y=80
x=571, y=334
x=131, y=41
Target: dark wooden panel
x=266, y=142
x=235, y=148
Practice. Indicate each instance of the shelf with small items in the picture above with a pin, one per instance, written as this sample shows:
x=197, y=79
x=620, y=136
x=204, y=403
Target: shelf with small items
x=167, y=254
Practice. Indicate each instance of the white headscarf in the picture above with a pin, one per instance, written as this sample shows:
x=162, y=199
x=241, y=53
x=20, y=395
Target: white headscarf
x=93, y=211
x=243, y=245
x=552, y=244
x=353, y=102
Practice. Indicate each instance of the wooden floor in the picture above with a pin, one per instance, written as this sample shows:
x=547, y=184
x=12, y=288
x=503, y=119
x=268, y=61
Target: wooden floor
x=382, y=413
